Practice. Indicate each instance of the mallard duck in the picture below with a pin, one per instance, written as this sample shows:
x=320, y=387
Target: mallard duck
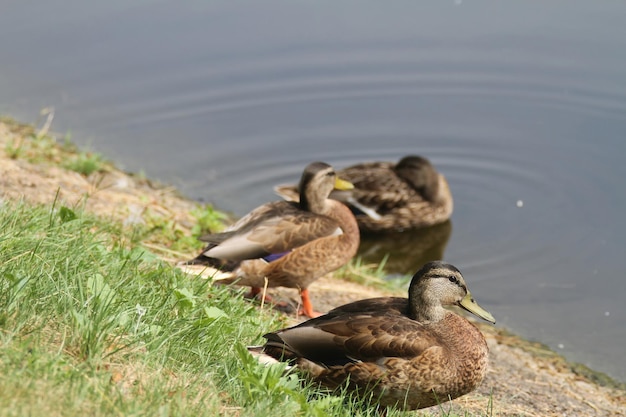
x=289, y=244
x=387, y=196
x=406, y=353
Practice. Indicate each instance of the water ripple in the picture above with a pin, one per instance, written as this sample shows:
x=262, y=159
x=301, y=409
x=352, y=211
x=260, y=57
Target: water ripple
x=298, y=78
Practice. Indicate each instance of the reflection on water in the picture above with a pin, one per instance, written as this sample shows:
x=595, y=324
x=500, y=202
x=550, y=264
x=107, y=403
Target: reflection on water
x=226, y=99
x=405, y=252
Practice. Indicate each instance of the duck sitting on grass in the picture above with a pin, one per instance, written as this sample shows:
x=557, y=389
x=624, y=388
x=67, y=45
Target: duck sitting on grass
x=403, y=353
x=288, y=244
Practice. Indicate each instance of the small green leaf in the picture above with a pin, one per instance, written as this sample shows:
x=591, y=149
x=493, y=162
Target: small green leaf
x=99, y=288
x=66, y=214
x=143, y=254
x=185, y=297
x=214, y=312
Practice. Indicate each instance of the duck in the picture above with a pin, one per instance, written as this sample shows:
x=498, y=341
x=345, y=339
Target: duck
x=388, y=196
x=405, y=353
x=287, y=244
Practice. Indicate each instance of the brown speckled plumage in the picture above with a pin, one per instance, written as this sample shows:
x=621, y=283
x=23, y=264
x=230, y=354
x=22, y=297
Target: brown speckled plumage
x=312, y=238
x=389, y=196
x=407, y=353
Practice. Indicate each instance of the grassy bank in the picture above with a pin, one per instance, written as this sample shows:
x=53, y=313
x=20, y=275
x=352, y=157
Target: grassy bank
x=93, y=325
x=95, y=320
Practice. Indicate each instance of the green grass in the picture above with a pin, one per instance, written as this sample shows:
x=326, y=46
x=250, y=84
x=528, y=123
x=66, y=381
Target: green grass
x=91, y=327
x=93, y=324
x=372, y=275
x=33, y=147
x=39, y=146
x=85, y=163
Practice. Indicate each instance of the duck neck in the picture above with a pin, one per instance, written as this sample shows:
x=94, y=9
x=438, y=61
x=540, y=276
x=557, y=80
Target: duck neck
x=314, y=205
x=425, y=309
x=345, y=218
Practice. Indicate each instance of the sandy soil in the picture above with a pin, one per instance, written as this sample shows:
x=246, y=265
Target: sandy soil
x=525, y=378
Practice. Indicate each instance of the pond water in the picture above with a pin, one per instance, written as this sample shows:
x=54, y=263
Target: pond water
x=521, y=106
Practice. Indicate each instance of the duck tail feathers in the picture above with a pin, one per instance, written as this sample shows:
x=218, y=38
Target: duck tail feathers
x=263, y=358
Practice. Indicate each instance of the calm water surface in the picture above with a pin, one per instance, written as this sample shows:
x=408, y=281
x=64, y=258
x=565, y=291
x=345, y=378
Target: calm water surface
x=522, y=107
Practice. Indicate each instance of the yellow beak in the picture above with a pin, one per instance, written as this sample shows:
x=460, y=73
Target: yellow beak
x=472, y=306
x=343, y=184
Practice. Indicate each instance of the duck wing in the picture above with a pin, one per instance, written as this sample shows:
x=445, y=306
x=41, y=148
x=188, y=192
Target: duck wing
x=377, y=189
x=270, y=229
x=339, y=339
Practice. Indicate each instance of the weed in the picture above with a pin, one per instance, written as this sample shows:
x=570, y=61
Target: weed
x=371, y=275
x=85, y=163
x=208, y=220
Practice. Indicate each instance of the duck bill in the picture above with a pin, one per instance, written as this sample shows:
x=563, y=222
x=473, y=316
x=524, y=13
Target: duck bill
x=343, y=184
x=472, y=306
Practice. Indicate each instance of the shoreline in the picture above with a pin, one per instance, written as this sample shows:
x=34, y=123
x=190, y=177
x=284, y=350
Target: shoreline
x=525, y=377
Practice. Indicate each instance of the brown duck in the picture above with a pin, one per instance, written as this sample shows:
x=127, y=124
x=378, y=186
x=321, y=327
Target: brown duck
x=289, y=244
x=406, y=353
x=389, y=196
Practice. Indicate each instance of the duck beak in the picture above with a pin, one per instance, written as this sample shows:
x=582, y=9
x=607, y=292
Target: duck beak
x=343, y=184
x=472, y=306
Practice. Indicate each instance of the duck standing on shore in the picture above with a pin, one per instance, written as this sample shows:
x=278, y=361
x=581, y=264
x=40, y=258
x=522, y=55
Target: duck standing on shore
x=391, y=196
x=405, y=353
x=289, y=244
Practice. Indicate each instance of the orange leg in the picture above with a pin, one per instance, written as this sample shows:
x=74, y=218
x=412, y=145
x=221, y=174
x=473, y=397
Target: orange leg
x=307, y=306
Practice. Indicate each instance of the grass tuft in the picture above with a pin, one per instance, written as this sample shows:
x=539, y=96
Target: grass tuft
x=85, y=163
x=39, y=146
x=372, y=275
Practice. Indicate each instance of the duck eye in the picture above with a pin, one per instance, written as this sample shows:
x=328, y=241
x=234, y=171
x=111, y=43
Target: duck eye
x=453, y=279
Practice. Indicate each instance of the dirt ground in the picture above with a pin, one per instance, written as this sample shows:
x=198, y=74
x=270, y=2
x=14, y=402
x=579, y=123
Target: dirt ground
x=524, y=379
